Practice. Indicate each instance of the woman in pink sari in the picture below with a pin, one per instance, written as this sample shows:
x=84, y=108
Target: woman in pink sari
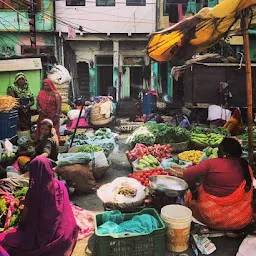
x=49, y=106
x=48, y=226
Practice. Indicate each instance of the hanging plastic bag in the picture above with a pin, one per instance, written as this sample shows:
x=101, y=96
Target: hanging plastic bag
x=111, y=192
x=8, y=147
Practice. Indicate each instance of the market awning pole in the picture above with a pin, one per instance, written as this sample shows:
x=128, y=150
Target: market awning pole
x=248, y=68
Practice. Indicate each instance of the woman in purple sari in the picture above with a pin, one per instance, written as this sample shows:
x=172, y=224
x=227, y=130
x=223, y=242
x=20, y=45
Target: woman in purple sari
x=48, y=226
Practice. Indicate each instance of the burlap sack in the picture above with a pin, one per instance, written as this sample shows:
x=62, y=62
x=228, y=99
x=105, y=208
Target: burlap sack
x=80, y=176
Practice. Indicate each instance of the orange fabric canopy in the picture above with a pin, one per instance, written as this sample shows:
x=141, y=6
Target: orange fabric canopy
x=195, y=34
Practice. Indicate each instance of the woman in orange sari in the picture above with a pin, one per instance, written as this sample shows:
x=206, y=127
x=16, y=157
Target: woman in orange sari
x=235, y=124
x=224, y=199
x=49, y=106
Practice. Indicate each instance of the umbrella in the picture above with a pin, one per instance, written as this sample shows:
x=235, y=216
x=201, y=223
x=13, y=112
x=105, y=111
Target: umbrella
x=197, y=33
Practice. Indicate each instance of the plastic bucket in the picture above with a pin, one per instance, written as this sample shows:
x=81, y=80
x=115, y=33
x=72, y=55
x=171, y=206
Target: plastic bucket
x=178, y=220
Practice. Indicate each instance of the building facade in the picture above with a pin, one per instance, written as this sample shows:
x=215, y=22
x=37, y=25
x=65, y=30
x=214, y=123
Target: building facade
x=15, y=27
x=106, y=41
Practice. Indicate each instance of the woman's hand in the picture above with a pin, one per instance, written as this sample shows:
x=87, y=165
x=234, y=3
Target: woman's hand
x=42, y=112
x=56, y=119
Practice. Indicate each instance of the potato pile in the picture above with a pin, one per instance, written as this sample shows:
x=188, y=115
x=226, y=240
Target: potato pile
x=127, y=191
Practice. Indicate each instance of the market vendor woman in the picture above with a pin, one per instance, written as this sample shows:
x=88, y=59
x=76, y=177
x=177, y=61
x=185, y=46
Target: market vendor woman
x=21, y=90
x=225, y=196
x=47, y=145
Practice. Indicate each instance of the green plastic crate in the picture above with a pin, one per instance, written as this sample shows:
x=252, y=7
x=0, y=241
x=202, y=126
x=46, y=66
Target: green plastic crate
x=151, y=244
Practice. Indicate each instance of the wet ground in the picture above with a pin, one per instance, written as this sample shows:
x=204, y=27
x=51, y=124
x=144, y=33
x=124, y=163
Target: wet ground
x=121, y=167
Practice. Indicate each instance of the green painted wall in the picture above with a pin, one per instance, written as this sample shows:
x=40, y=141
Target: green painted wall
x=12, y=21
x=11, y=43
x=125, y=87
x=33, y=77
x=253, y=47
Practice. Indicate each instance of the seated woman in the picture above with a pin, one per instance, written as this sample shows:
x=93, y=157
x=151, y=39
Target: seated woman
x=48, y=143
x=235, y=124
x=47, y=226
x=225, y=195
x=46, y=146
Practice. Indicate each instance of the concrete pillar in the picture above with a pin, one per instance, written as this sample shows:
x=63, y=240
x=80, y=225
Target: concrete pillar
x=169, y=80
x=116, y=67
x=152, y=76
x=156, y=83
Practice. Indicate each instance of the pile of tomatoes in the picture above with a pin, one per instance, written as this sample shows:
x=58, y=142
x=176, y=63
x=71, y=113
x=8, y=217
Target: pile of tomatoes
x=143, y=176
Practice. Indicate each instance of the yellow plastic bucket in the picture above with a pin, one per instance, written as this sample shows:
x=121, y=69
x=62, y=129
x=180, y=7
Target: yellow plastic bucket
x=178, y=220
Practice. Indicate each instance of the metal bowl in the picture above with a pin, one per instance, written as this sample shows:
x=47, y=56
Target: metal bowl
x=171, y=186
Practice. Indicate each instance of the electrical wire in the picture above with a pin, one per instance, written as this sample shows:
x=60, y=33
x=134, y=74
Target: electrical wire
x=13, y=8
x=107, y=14
x=11, y=32
x=116, y=2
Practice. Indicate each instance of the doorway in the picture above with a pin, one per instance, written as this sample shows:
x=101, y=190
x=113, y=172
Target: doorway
x=83, y=78
x=104, y=65
x=105, y=79
x=136, y=82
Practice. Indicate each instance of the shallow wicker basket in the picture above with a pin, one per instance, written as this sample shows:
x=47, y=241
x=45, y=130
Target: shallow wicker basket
x=179, y=147
x=177, y=171
x=199, y=146
x=128, y=128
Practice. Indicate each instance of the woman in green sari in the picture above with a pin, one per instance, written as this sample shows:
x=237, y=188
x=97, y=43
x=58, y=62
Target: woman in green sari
x=20, y=89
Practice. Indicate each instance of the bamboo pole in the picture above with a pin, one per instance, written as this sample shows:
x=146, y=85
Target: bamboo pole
x=248, y=68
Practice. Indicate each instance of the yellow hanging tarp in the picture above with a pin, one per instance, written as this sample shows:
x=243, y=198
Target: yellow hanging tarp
x=197, y=33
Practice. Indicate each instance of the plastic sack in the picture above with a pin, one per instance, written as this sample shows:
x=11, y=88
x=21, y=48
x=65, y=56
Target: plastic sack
x=73, y=158
x=216, y=112
x=99, y=164
x=109, y=193
x=59, y=74
x=74, y=113
x=8, y=147
x=78, y=176
x=167, y=163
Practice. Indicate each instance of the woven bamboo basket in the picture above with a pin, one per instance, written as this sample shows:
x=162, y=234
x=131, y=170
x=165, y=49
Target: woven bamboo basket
x=96, y=118
x=199, y=146
x=179, y=147
x=63, y=90
x=62, y=87
x=177, y=171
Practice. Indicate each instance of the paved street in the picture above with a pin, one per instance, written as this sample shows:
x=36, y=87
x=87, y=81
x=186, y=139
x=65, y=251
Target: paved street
x=121, y=167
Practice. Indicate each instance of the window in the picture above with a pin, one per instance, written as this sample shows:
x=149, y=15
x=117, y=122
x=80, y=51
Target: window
x=135, y=2
x=105, y=2
x=26, y=50
x=19, y=5
x=171, y=7
x=75, y=2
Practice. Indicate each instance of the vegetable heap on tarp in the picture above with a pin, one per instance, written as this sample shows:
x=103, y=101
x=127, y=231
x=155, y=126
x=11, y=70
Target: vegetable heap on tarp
x=154, y=133
x=102, y=138
x=160, y=152
x=11, y=207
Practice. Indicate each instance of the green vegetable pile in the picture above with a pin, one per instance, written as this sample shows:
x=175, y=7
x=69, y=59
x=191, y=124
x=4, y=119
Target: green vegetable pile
x=19, y=194
x=142, y=139
x=103, y=133
x=89, y=149
x=221, y=131
x=216, y=130
x=166, y=134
